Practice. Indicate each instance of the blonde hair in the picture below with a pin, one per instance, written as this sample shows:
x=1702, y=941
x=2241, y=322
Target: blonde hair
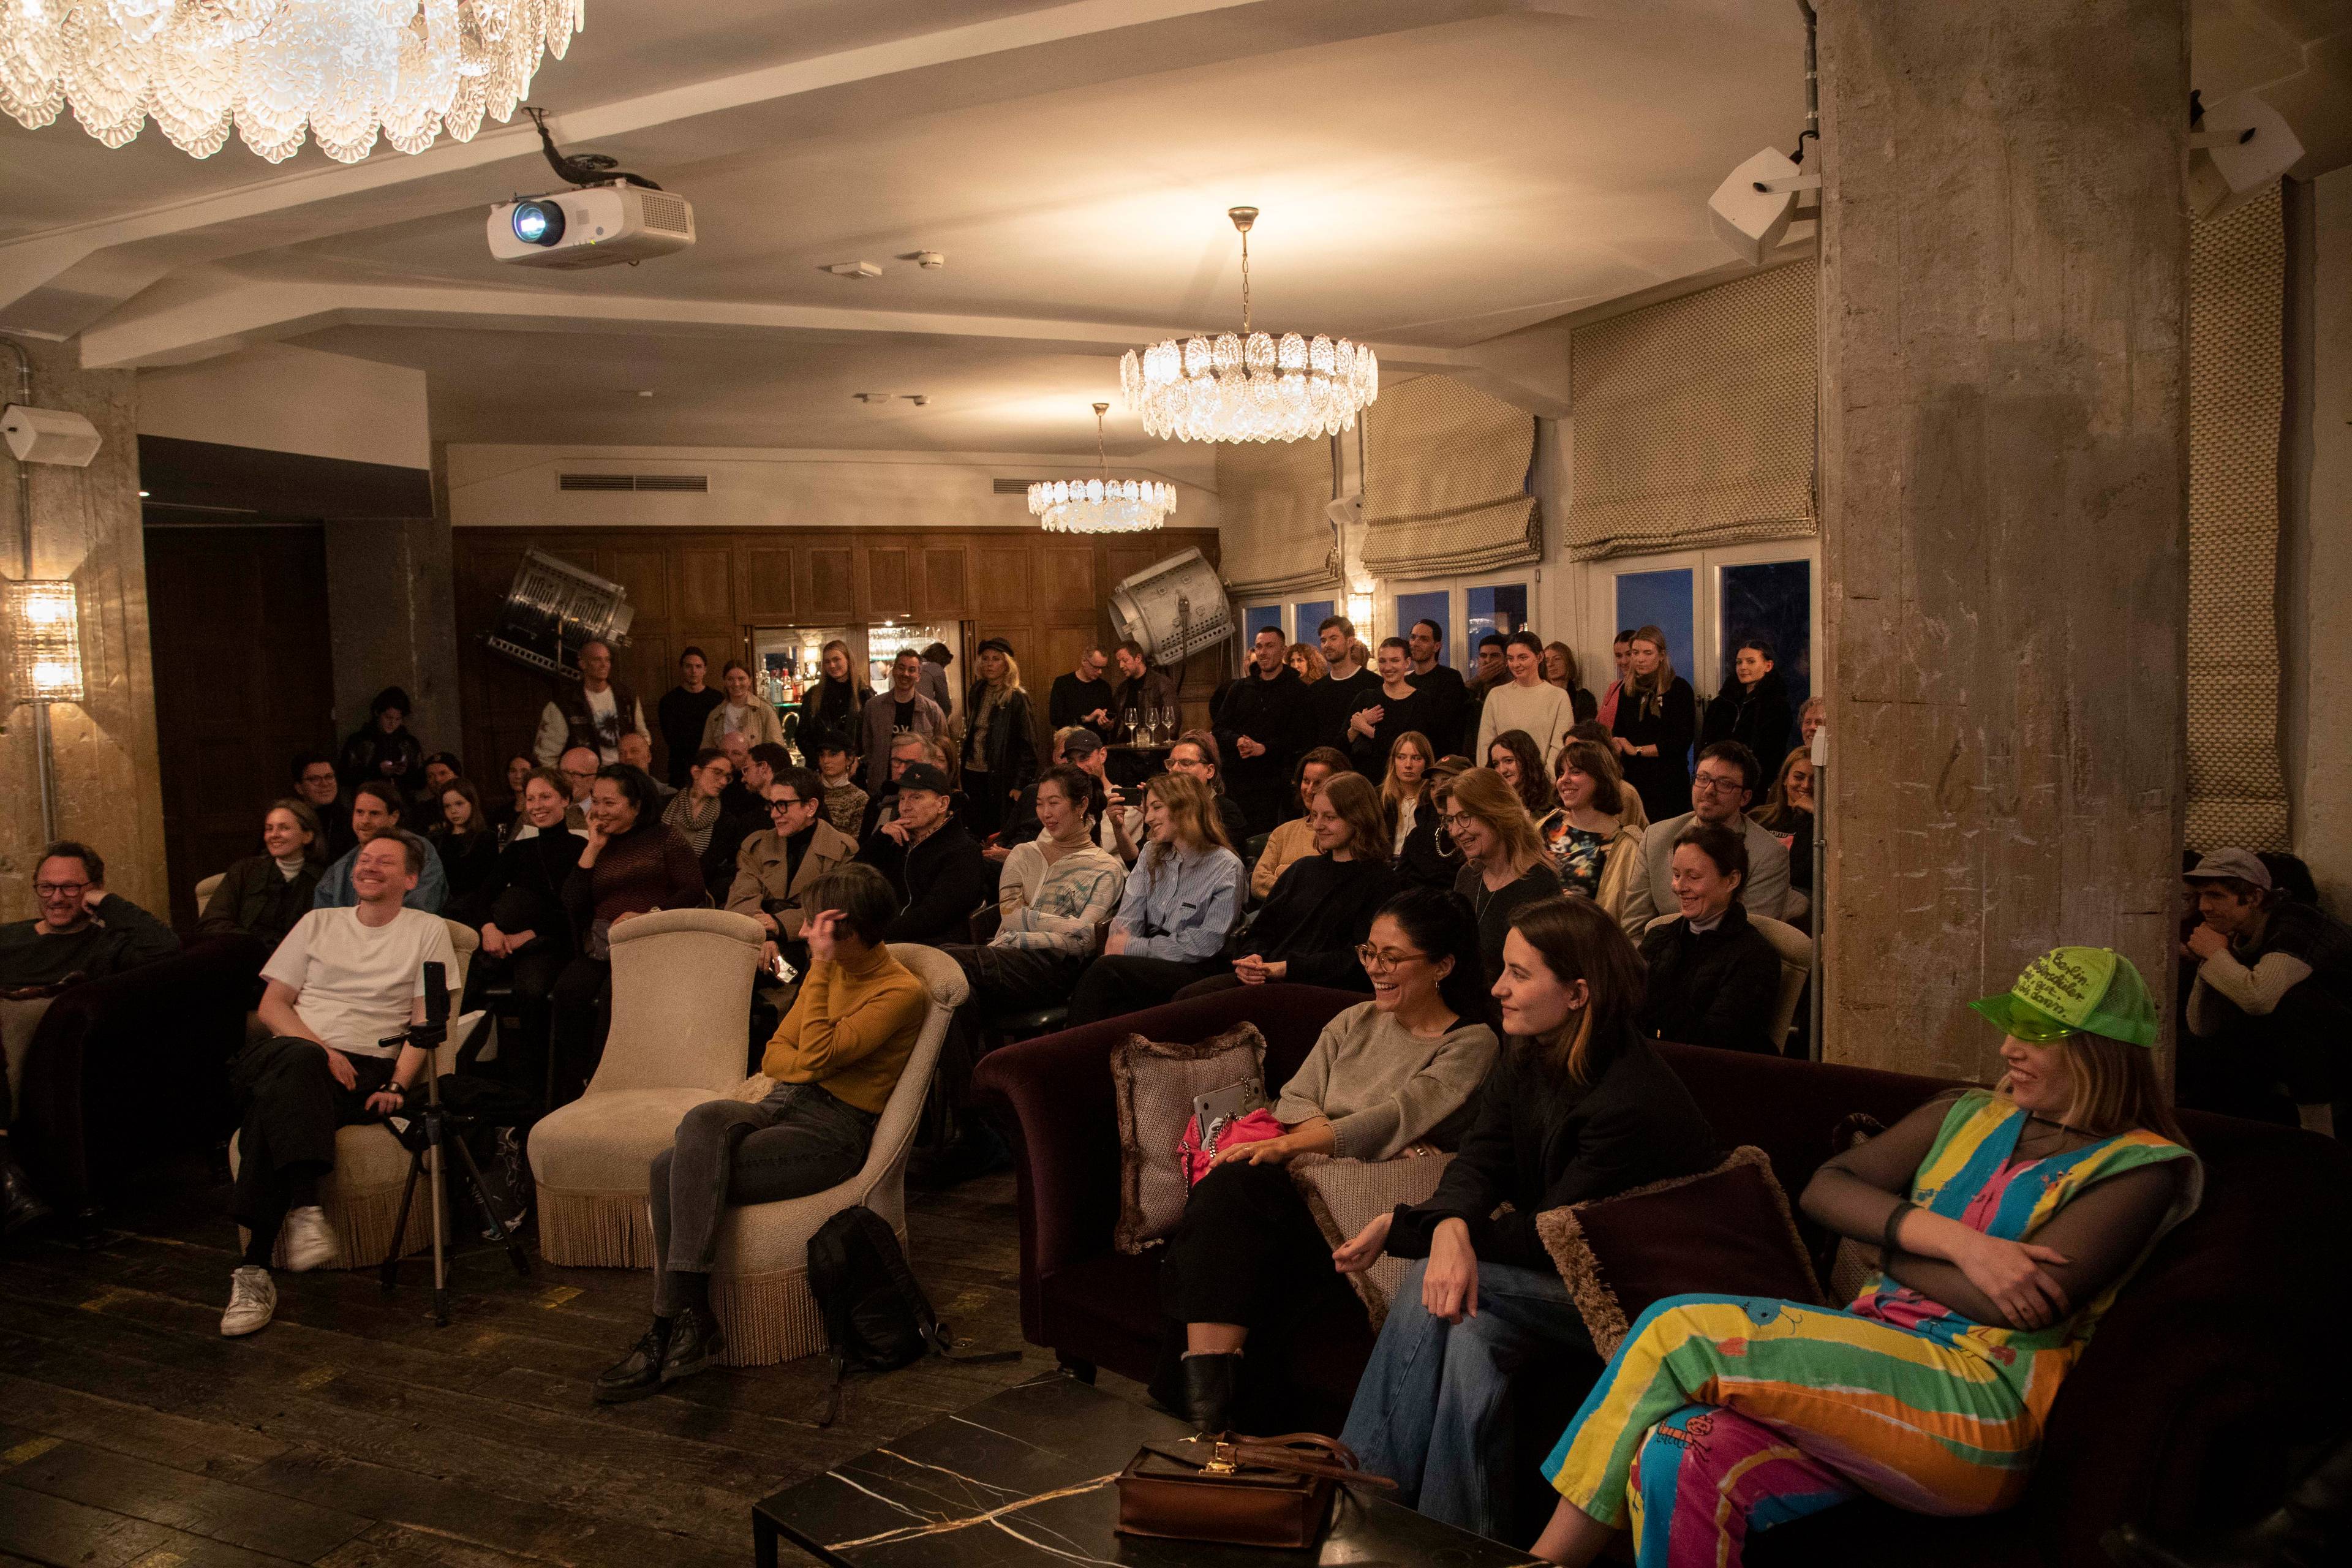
x=2116, y=1088
x=1481, y=793
x=1653, y=689
x=1391, y=792
x=1776, y=813
x=1192, y=809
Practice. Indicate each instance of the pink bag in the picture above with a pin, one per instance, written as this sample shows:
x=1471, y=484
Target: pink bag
x=1194, y=1153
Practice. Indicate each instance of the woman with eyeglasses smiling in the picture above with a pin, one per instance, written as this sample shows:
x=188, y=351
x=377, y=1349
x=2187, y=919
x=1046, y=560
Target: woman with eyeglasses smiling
x=1503, y=864
x=1247, y=1263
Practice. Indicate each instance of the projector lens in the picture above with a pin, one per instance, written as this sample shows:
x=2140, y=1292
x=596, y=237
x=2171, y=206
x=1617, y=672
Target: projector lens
x=538, y=223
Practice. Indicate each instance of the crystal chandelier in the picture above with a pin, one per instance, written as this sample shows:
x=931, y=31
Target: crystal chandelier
x=278, y=69
x=1103, y=505
x=1253, y=387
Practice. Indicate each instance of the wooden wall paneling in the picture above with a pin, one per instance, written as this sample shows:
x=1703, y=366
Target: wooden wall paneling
x=645, y=572
x=703, y=587
x=947, y=593
x=832, y=579
x=1001, y=587
x=885, y=584
x=1066, y=580
x=764, y=572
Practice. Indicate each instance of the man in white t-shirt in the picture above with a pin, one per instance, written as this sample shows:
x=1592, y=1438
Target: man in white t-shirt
x=342, y=985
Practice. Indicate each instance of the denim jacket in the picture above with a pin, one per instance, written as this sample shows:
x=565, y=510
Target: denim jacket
x=1181, y=905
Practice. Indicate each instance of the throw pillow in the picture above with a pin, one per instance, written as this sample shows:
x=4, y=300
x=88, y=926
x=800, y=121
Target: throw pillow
x=1153, y=1083
x=1724, y=1232
x=1344, y=1194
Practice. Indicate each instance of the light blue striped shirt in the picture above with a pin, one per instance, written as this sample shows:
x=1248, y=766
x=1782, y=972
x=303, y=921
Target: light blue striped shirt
x=1181, y=904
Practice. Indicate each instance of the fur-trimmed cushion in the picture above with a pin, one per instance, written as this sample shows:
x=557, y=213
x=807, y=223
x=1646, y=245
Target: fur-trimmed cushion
x=1153, y=1083
x=1724, y=1232
x=1345, y=1194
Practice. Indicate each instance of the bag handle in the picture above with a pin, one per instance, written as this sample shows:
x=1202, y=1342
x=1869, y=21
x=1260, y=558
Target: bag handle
x=1295, y=1453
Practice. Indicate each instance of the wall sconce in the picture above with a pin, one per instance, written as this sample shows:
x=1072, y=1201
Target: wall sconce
x=47, y=663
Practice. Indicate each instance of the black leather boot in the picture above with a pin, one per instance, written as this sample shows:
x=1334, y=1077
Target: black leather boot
x=19, y=1205
x=695, y=1342
x=1211, y=1378
x=639, y=1373
x=2313, y=1528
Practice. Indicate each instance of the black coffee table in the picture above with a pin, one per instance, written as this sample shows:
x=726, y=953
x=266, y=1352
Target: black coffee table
x=1025, y=1481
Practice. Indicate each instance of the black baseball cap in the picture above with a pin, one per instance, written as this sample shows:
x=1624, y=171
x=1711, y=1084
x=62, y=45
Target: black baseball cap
x=924, y=775
x=1082, y=744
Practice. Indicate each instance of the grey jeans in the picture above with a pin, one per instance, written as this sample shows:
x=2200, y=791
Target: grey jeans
x=798, y=1141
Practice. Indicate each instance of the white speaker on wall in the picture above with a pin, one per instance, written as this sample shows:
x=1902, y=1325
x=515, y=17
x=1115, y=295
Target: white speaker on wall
x=1752, y=208
x=49, y=436
x=2237, y=149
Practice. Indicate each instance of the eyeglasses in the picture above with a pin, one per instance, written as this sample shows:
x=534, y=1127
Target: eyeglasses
x=578, y=774
x=1385, y=958
x=1457, y=819
x=327, y=777
x=784, y=805
x=1714, y=784
x=61, y=889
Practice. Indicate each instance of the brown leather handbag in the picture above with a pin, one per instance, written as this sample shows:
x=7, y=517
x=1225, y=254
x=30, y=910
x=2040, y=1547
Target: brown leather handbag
x=1245, y=1491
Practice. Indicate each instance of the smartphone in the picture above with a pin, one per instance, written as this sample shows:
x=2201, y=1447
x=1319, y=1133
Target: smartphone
x=1230, y=1102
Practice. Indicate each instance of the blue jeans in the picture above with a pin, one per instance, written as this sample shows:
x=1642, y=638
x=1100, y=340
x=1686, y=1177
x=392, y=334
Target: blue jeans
x=1433, y=1410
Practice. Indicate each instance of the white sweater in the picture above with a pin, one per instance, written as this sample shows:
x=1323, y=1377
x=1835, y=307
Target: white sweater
x=1543, y=711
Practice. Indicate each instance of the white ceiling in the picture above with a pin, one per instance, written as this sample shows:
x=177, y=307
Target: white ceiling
x=1435, y=175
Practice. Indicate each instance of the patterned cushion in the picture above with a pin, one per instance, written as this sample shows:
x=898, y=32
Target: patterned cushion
x=1154, y=1083
x=1345, y=1194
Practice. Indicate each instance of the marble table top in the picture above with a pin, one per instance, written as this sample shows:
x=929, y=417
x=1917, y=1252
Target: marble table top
x=1026, y=1478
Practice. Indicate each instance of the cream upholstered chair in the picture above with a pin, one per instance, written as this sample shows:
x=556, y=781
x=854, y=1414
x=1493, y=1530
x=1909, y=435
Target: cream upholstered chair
x=1796, y=950
x=681, y=1009
x=361, y=1194
x=759, y=1285
x=207, y=888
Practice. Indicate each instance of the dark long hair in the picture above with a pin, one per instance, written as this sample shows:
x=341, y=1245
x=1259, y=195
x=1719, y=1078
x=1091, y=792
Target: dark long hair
x=1438, y=922
x=1581, y=940
x=1535, y=786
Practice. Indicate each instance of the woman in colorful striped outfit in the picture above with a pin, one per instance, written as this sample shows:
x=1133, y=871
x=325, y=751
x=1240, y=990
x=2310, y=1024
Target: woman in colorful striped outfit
x=2009, y=1221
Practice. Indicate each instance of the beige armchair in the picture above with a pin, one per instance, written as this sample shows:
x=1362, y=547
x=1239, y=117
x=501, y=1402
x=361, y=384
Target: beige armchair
x=1796, y=950
x=361, y=1194
x=759, y=1285
x=681, y=1013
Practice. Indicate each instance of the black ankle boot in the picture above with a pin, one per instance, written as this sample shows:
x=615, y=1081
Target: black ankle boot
x=2311, y=1528
x=639, y=1373
x=1211, y=1378
x=19, y=1205
x=695, y=1342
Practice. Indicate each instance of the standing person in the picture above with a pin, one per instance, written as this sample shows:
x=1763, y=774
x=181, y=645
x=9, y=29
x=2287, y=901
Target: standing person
x=1261, y=728
x=682, y=712
x=1560, y=669
x=343, y=982
x=844, y=802
x=1576, y=1108
x=1000, y=741
x=1752, y=708
x=2010, y=1219
x=1713, y=979
x=593, y=713
x=466, y=845
x=776, y=867
x=1083, y=696
x=1493, y=670
x=526, y=935
x=376, y=808
x=2269, y=1011
x=382, y=749
x=1295, y=839
x=1346, y=683
x=836, y=708
x=1512, y=755
x=742, y=711
x=1657, y=719
x=1597, y=854
x=1621, y=650
x=933, y=680
x=934, y=865
x=695, y=810
x=1720, y=793
x=1525, y=702
x=319, y=787
x=1390, y=706
x=1307, y=661
x=1319, y=912
x=1179, y=905
x=1503, y=864
x=1144, y=690
x=1448, y=711
x=901, y=711
x=264, y=895
x=631, y=864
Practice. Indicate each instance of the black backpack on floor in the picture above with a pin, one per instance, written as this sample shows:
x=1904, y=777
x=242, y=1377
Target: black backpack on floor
x=877, y=1317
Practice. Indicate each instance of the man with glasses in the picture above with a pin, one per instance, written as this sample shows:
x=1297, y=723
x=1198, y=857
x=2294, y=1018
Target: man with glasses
x=82, y=932
x=322, y=788
x=1083, y=696
x=743, y=814
x=1721, y=791
x=775, y=866
x=578, y=764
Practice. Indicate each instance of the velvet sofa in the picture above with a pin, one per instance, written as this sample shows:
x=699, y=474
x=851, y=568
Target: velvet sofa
x=2214, y=1373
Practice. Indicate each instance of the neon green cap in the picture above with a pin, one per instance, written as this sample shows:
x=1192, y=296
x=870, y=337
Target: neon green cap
x=2092, y=989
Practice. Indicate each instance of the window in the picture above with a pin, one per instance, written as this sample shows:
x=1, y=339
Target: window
x=1435, y=606
x=1310, y=614
x=1497, y=607
x=1257, y=615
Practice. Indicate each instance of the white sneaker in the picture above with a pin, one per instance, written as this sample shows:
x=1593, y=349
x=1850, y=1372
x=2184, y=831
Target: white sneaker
x=310, y=1241
x=252, y=1300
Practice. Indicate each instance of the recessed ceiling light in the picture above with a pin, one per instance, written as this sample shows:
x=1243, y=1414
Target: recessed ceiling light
x=142, y=495
x=644, y=391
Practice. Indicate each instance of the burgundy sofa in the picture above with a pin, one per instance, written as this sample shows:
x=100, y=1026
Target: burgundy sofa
x=2213, y=1374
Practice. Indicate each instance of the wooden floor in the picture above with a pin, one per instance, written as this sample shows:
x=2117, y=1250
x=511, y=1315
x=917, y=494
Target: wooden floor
x=352, y=1433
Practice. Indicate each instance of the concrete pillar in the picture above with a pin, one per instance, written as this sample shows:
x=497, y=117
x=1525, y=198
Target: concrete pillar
x=392, y=624
x=2317, y=572
x=2004, y=503
x=86, y=527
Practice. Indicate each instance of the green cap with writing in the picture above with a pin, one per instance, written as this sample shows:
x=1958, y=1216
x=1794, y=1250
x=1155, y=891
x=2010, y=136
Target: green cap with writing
x=2095, y=990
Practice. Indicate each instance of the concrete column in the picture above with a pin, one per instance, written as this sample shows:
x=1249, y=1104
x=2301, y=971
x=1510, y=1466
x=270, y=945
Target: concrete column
x=392, y=624
x=2317, y=572
x=2004, y=503
x=86, y=527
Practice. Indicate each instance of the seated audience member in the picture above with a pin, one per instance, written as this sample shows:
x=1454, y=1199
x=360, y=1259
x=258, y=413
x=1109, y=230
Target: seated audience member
x=1751, y=708
x=775, y=867
x=1295, y=839
x=1318, y=915
x=836, y=708
x=901, y=711
x=1019, y=824
x=263, y=895
x=744, y=811
x=1119, y=826
x=592, y=712
x=1503, y=862
x=1787, y=814
x=1720, y=792
x=695, y=810
x=1525, y=703
x=509, y=812
x=1247, y=1266
x=382, y=749
x=1000, y=740
x=637, y=751
x=882, y=806
x=2010, y=1219
x=462, y=841
x=319, y=786
x=933, y=866
x=579, y=765
x=844, y=802
x=1810, y=718
x=1712, y=978
x=1195, y=754
x=632, y=863
x=1560, y=669
x=835, y=1061
x=1575, y=1108
x=1408, y=801
x=682, y=711
x=343, y=981
x=526, y=935
x=441, y=770
x=742, y=710
x=1512, y=756
x=1179, y=904
x=376, y=805
x=1082, y=696
x=1388, y=707
x=1595, y=850
x=2270, y=1012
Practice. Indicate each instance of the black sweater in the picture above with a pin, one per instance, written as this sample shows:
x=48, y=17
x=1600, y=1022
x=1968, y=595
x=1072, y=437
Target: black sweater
x=1663, y=781
x=1710, y=988
x=1541, y=1141
x=1416, y=710
x=524, y=892
x=121, y=936
x=1494, y=909
x=257, y=898
x=941, y=881
x=1757, y=719
x=1319, y=910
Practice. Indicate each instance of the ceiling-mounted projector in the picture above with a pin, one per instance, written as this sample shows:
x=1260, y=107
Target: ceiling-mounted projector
x=596, y=226
x=2237, y=148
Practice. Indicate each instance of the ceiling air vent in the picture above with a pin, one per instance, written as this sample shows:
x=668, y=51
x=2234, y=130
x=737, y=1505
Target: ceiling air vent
x=1013, y=486
x=689, y=484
